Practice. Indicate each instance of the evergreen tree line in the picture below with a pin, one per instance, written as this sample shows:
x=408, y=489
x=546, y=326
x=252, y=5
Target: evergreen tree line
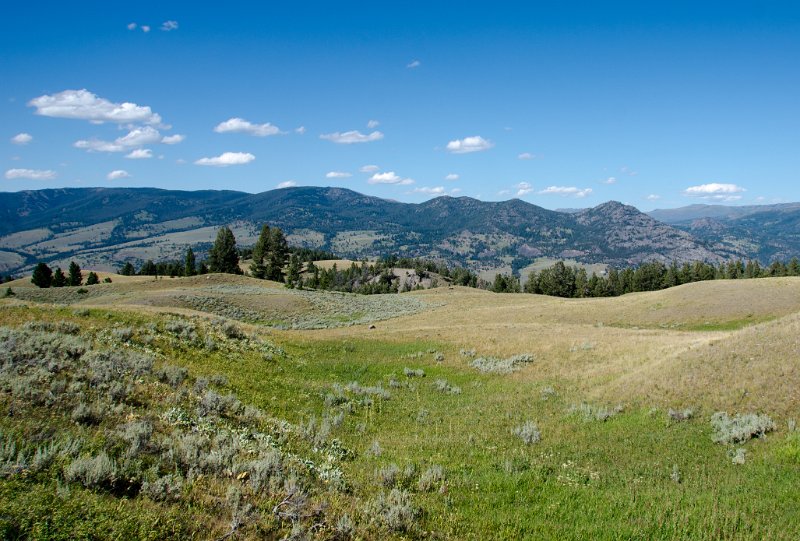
x=561, y=280
x=44, y=276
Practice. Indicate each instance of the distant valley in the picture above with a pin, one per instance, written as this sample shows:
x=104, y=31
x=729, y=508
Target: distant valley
x=104, y=227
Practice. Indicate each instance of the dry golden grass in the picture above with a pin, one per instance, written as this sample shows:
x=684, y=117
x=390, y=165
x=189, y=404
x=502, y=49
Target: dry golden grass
x=721, y=344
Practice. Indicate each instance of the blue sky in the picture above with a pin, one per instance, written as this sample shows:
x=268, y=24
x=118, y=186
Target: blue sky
x=564, y=104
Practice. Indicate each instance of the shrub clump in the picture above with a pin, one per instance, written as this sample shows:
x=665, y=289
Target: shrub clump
x=414, y=373
x=394, y=510
x=98, y=471
x=739, y=428
x=528, y=432
x=680, y=415
x=443, y=386
x=596, y=413
x=431, y=478
x=493, y=365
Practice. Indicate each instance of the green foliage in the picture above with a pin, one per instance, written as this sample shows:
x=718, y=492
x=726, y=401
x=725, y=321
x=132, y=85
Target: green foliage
x=740, y=428
x=127, y=269
x=190, y=264
x=223, y=256
x=59, y=279
x=92, y=279
x=75, y=277
x=42, y=276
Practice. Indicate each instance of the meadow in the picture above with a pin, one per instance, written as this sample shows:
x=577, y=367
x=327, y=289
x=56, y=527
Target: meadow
x=226, y=407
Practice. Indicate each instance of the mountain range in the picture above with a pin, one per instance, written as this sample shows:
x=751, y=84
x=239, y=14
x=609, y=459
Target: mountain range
x=104, y=227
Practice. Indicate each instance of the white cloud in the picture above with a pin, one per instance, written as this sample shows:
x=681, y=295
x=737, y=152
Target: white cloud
x=31, y=174
x=625, y=170
x=173, y=139
x=452, y=176
x=241, y=125
x=715, y=191
x=372, y=124
x=369, y=169
x=414, y=64
x=438, y=190
x=145, y=28
x=137, y=137
x=350, y=137
x=609, y=180
x=140, y=154
x=227, y=158
x=84, y=105
x=337, y=174
x=524, y=188
x=475, y=143
x=653, y=197
x=525, y=156
x=118, y=174
x=301, y=130
x=566, y=191
x=22, y=139
x=132, y=26
x=504, y=192
x=389, y=178
x=287, y=184
x=168, y=26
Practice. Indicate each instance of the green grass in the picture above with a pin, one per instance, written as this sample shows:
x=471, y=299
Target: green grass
x=583, y=480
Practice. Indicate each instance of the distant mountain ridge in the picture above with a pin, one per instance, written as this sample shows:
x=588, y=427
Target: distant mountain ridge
x=103, y=227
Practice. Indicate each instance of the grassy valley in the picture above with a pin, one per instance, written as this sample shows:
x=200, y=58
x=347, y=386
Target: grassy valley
x=219, y=405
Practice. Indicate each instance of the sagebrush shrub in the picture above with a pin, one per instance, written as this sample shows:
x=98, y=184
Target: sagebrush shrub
x=740, y=428
x=93, y=472
x=680, y=415
x=167, y=488
x=431, y=478
x=414, y=373
x=172, y=375
x=528, y=432
x=493, y=365
x=394, y=510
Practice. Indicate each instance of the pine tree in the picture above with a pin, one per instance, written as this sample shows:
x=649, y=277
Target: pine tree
x=223, y=256
x=42, y=276
x=293, y=275
x=75, y=276
x=92, y=279
x=260, y=252
x=127, y=269
x=59, y=279
x=278, y=251
x=148, y=268
x=190, y=263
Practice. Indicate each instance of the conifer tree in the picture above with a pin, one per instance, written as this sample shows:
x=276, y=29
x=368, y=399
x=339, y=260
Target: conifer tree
x=92, y=279
x=223, y=256
x=42, y=275
x=278, y=252
x=258, y=268
x=75, y=276
x=190, y=263
x=59, y=279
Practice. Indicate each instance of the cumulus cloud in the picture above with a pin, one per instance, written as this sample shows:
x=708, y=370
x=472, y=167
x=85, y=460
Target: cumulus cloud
x=372, y=124
x=173, y=139
x=137, y=137
x=414, y=64
x=350, y=137
x=287, y=184
x=301, y=130
x=715, y=190
x=132, y=26
x=452, y=176
x=22, y=139
x=338, y=174
x=240, y=125
x=504, y=192
x=145, y=28
x=653, y=197
x=31, y=174
x=438, y=190
x=169, y=26
x=609, y=180
x=524, y=188
x=118, y=174
x=84, y=105
x=389, y=178
x=140, y=154
x=525, y=156
x=369, y=169
x=227, y=158
x=566, y=191
x=475, y=143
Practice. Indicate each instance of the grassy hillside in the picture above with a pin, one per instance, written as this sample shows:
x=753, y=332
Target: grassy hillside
x=446, y=414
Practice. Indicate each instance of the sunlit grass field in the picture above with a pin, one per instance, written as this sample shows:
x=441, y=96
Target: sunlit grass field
x=605, y=383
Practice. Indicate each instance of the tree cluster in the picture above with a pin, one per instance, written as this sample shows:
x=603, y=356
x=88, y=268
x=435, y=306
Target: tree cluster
x=561, y=280
x=44, y=276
